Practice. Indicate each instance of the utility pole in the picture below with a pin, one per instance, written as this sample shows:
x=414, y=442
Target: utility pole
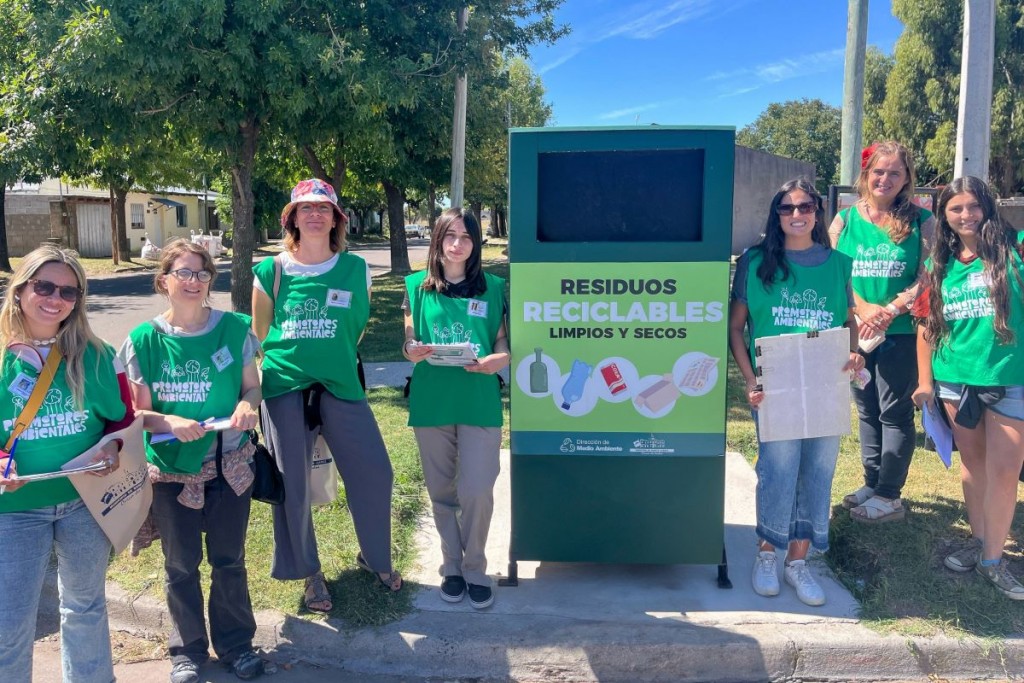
x=853, y=91
x=459, y=127
x=974, y=123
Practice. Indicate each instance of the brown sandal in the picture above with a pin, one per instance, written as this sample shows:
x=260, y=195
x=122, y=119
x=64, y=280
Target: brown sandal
x=316, y=594
x=392, y=581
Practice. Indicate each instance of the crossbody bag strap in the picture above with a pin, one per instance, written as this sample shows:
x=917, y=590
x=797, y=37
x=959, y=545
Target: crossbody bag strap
x=35, y=399
x=277, y=276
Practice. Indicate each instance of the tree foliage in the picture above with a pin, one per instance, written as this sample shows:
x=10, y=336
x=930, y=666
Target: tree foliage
x=922, y=91
x=807, y=130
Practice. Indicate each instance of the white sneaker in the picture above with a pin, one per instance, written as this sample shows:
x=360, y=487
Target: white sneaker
x=807, y=589
x=766, y=574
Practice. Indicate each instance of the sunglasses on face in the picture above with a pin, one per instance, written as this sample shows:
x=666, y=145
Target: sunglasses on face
x=45, y=288
x=790, y=209
x=186, y=274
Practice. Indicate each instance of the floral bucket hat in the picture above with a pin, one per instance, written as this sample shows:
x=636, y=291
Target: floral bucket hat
x=313, y=191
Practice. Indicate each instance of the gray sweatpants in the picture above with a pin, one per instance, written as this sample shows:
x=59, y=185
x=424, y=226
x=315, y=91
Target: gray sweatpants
x=351, y=432
x=460, y=466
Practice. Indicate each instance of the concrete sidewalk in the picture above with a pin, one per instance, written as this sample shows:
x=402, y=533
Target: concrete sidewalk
x=588, y=622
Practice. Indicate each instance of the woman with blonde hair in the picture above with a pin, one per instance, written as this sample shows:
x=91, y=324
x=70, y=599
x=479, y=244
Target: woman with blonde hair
x=310, y=307
x=887, y=236
x=45, y=337
x=189, y=364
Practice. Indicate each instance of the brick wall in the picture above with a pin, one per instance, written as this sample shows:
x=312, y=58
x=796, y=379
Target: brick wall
x=28, y=222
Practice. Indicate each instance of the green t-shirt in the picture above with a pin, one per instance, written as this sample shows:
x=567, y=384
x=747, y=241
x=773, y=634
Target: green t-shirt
x=881, y=268
x=61, y=430
x=193, y=377
x=315, y=329
x=450, y=395
x=972, y=353
x=811, y=298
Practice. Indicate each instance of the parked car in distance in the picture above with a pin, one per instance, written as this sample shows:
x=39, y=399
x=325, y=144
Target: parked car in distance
x=413, y=230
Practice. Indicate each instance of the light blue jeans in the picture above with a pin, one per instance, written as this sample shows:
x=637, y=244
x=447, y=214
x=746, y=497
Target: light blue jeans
x=83, y=553
x=794, y=488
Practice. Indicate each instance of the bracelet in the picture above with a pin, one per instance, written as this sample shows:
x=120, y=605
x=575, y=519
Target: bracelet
x=405, y=346
x=892, y=308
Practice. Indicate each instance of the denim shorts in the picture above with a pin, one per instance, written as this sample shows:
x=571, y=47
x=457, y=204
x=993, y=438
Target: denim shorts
x=1011, y=405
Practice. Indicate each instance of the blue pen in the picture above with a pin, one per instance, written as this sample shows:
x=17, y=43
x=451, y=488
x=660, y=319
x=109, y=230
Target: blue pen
x=10, y=459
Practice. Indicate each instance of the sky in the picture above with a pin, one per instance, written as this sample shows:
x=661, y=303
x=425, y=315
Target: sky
x=697, y=62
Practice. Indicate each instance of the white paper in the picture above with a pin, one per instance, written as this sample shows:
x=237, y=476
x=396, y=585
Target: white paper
x=807, y=393
x=940, y=432
x=214, y=424
x=452, y=354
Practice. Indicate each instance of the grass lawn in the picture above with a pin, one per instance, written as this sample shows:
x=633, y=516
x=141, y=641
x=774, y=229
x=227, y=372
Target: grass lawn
x=895, y=570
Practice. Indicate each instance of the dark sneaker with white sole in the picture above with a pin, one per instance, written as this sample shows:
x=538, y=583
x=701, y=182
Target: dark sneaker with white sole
x=247, y=665
x=480, y=597
x=184, y=671
x=453, y=588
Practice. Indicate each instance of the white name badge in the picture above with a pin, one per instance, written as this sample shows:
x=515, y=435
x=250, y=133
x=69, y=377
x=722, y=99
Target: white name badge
x=222, y=358
x=22, y=385
x=476, y=308
x=339, y=298
x=977, y=280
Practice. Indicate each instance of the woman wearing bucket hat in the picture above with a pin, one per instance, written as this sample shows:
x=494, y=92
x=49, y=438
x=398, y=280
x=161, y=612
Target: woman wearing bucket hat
x=310, y=307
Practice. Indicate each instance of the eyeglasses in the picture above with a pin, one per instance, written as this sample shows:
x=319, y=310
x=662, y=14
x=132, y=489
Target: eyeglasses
x=186, y=274
x=790, y=209
x=322, y=208
x=46, y=288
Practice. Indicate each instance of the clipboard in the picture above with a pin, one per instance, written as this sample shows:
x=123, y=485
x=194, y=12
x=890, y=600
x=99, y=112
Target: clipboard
x=933, y=419
x=806, y=391
x=457, y=355
x=213, y=424
x=67, y=471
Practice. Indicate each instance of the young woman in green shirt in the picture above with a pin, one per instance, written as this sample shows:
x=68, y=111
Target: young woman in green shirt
x=455, y=412
x=969, y=357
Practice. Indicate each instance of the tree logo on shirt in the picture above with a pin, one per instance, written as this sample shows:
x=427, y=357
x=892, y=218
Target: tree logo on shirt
x=188, y=382
x=57, y=417
x=456, y=334
x=308, y=320
x=881, y=260
x=970, y=301
x=802, y=309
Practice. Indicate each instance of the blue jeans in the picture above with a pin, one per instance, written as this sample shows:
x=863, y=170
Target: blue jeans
x=794, y=488
x=83, y=553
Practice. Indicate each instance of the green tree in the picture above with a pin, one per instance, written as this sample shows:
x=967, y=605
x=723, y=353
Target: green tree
x=807, y=130
x=877, y=67
x=923, y=88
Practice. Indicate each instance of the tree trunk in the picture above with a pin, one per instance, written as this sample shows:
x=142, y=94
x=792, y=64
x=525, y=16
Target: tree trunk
x=5, y=256
x=502, y=223
x=122, y=248
x=113, y=227
x=396, y=221
x=243, y=232
x=431, y=203
x=477, y=209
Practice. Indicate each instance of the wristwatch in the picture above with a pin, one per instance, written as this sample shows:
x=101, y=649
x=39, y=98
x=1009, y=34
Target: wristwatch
x=892, y=308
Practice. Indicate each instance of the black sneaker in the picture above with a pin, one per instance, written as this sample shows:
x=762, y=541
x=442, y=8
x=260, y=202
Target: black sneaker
x=453, y=588
x=184, y=671
x=247, y=665
x=480, y=596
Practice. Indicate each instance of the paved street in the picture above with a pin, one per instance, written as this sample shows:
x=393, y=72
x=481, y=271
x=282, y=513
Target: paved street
x=119, y=303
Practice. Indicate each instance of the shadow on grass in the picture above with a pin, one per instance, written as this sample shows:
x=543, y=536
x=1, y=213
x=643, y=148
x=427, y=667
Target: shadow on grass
x=896, y=571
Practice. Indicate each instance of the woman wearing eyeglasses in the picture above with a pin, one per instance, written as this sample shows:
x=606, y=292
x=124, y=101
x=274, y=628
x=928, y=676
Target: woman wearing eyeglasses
x=887, y=236
x=792, y=268
x=188, y=365
x=42, y=319
x=310, y=307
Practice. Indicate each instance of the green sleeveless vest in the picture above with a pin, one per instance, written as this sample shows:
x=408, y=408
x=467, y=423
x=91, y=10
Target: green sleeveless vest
x=316, y=327
x=450, y=395
x=192, y=377
x=809, y=299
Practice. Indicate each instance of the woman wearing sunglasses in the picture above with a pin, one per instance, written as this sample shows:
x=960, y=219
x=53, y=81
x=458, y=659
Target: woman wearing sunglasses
x=189, y=365
x=887, y=236
x=42, y=319
x=310, y=306
x=792, y=263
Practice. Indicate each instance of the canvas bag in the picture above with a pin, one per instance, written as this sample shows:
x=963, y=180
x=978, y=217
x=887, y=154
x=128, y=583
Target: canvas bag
x=119, y=501
x=323, y=475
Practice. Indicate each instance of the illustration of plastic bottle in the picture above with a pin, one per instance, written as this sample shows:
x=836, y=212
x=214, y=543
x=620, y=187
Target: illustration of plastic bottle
x=538, y=375
x=572, y=390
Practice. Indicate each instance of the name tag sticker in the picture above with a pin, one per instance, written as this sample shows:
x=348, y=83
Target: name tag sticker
x=977, y=280
x=22, y=385
x=339, y=298
x=477, y=308
x=222, y=358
